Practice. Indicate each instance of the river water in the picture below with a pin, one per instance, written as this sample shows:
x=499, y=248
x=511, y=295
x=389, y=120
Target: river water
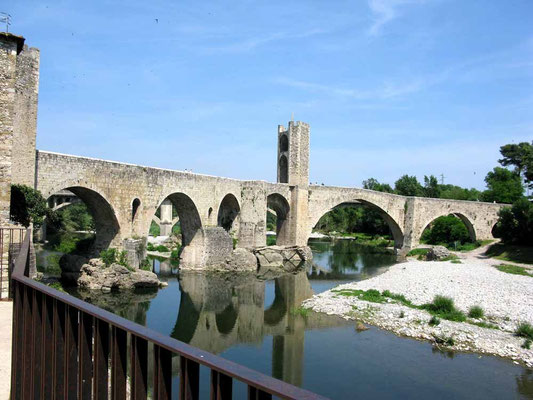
x=256, y=322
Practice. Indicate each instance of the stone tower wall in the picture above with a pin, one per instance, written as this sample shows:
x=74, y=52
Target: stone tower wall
x=297, y=154
x=25, y=119
x=10, y=47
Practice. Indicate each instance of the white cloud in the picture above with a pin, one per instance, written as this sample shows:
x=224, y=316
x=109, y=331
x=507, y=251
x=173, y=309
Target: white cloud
x=385, y=11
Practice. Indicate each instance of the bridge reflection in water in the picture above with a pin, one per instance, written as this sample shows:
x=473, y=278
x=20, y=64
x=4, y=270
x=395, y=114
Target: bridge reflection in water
x=219, y=311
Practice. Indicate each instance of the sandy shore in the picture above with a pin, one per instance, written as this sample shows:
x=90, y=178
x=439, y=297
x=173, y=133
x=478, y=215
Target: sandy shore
x=6, y=312
x=506, y=299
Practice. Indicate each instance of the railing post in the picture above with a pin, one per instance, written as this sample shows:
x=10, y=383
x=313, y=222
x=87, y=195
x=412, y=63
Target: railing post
x=119, y=364
x=85, y=341
x=162, y=373
x=257, y=394
x=17, y=364
x=48, y=345
x=221, y=386
x=189, y=379
x=37, y=345
x=27, y=344
x=101, y=360
x=59, y=350
x=139, y=368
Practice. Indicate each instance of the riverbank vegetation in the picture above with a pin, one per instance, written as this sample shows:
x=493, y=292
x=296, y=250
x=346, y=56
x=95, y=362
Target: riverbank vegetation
x=441, y=307
x=514, y=269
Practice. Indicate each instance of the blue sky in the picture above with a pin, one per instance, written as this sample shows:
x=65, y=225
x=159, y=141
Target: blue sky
x=388, y=86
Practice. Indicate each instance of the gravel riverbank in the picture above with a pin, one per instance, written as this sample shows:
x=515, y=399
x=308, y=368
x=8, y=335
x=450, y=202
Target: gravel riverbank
x=506, y=299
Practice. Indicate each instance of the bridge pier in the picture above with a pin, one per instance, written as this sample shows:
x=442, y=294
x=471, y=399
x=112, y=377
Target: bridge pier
x=165, y=225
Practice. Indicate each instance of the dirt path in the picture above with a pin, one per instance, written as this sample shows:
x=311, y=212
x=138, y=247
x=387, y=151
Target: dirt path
x=479, y=254
x=6, y=311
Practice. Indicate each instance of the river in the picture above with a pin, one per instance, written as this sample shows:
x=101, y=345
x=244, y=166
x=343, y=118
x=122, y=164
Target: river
x=258, y=323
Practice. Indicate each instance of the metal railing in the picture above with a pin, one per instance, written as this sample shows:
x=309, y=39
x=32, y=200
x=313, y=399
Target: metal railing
x=11, y=239
x=65, y=348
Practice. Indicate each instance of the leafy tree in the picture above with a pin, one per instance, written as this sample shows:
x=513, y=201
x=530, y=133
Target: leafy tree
x=503, y=185
x=454, y=192
x=28, y=206
x=373, y=184
x=408, y=186
x=515, y=224
x=431, y=187
x=519, y=156
x=76, y=217
x=446, y=230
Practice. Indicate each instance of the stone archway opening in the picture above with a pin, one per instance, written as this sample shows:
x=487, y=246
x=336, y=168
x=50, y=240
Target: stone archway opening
x=178, y=216
x=362, y=220
x=86, y=224
x=277, y=220
x=283, y=170
x=134, y=208
x=228, y=213
x=283, y=143
x=453, y=230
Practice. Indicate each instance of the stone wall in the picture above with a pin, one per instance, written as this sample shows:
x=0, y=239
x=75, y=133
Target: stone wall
x=10, y=47
x=25, y=121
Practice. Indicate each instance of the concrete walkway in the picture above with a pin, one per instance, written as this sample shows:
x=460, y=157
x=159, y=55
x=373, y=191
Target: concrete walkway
x=6, y=313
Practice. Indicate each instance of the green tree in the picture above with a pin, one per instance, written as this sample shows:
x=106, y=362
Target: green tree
x=503, y=186
x=28, y=206
x=515, y=224
x=454, y=192
x=373, y=184
x=446, y=230
x=431, y=187
x=408, y=186
x=520, y=156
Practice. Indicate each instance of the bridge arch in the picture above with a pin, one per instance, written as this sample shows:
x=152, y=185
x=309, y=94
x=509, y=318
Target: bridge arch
x=105, y=219
x=394, y=226
x=228, y=212
x=467, y=221
x=279, y=204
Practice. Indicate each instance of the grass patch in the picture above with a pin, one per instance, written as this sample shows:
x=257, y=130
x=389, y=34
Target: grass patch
x=508, y=252
x=453, y=258
x=417, y=252
x=476, y=312
x=456, y=261
x=370, y=295
x=524, y=330
x=527, y=344
x=434, y=321
x=484, y=325
x=513, y=269
x=444, y=308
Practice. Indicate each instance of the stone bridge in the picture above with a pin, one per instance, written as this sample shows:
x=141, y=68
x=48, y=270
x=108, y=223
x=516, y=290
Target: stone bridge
x=123, y=198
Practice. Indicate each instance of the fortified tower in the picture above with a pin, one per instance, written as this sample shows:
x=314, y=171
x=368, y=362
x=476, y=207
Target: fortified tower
x=293, y=154
x=19, y=86
x=293, y=168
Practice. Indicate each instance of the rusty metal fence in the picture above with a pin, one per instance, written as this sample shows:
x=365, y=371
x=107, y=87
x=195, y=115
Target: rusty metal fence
x=11, y=239
x=64, y=348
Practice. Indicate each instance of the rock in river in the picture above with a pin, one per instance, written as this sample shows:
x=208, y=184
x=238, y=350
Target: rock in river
x=95, y=275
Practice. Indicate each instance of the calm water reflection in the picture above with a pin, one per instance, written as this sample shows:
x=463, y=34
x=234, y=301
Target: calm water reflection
x=252, y=322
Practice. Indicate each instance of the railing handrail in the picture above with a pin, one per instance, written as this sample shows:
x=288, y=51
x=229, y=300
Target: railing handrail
x=244, y=374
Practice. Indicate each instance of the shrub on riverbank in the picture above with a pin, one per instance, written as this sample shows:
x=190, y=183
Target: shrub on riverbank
x=444, y=308
x=476, y=312
x=525, y=330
